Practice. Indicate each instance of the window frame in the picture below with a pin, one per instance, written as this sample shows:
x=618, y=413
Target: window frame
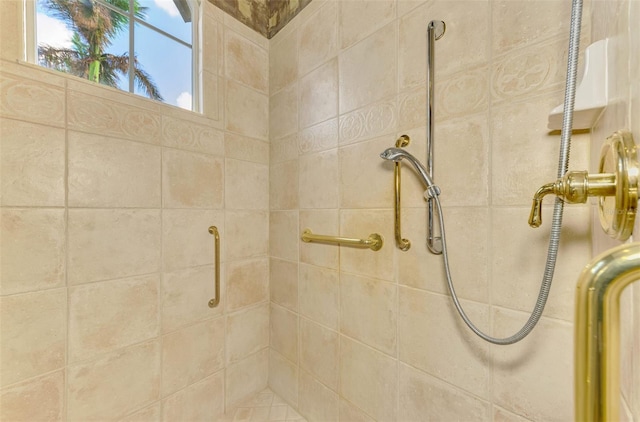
x=30, y=47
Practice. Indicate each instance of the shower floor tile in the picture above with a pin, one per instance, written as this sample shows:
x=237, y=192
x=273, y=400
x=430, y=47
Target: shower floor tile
x=266, y=406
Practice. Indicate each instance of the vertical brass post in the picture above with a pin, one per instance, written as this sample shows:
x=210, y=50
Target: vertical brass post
x=403, y=244
x=216, y=235
x=597, y=332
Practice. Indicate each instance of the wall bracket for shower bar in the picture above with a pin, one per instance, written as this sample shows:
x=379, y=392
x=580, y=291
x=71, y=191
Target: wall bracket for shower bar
x=435, y=31
x=616, y=185
x=402, y=244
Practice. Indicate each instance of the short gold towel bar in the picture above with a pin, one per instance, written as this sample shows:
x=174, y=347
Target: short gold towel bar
x=216, y=235
x=374, y=242
x=597, y=332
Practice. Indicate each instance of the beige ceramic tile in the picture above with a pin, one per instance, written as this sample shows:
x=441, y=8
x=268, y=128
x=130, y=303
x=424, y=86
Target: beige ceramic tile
x=33, y=334
x=246, y=378
x=283, y=179
x=368, y=311
x=501, y=415
x=319, y=222
x=470, y=157
x=31, y=99
x=528, y=153
x=318, y=38
x=283, y=112
x=247, y=282
x=109, y=112
x=203, y=401
x=469, y=266
x=350, y=413
x=283, y=61
x=283, y=377
x=32, y=250
x=106, y=244
x=109, y=315
x=283, y=235
x=185, y=297
x=245, y=62
x=247, y=332
x=39, y=399
x=247, y=234
x=520, y=254
x=432, y=337
x=360, y=18
x=366, y=180
x=546, y=354
x=464, y=43
x=33, y=164
x=191, y=354
x=284, y=332
x=11, y=23
x=186, y=241
x=368, y=71
x=319, y=94
x=133, y=372
x=373, y=120
x=319, y=295
x=424, y=397
x=368, y=379
x=316, y=402
x=246, y=111
x=149, y=414
x=360, y=224
x=192, y=180
x=211, y=55
x=248, y=149
x=529, y=71
x=107, y=172
x=319, y=351
x=318, y=174
x=283, y=149
x=188, y=135
x=213, y=101
x=246, y=185
x=283, y=283
x=516, y=23
x=462, y=93
x=320, y=137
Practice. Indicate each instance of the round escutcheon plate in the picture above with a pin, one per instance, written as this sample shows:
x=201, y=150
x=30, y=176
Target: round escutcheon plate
x=618, y=213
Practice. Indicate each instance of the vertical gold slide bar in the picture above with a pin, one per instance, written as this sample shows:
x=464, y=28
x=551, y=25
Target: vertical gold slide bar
x=403, y=244
x=216, y=235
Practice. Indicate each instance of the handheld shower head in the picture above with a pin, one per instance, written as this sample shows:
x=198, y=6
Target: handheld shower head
x=398, y=154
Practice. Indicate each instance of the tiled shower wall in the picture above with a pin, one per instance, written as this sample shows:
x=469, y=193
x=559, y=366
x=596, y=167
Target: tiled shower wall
x=358, y=335
x=107, y=264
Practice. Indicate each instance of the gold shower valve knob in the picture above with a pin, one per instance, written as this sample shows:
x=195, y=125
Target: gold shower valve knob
x=616, y=185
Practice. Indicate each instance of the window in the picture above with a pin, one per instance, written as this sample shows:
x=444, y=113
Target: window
x=144, y=47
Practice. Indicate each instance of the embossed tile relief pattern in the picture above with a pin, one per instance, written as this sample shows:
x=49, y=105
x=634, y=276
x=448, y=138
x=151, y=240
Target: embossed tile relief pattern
x=352, y=330
x=106, y=261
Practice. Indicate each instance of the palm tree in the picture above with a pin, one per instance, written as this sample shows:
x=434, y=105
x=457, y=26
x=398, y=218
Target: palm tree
x=94, y=26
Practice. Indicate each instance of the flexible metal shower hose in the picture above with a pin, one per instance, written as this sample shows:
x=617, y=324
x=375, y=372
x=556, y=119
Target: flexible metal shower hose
x=563, y=163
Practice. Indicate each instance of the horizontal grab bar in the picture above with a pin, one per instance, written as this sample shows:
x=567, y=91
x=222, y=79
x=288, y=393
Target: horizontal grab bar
x=374, y=242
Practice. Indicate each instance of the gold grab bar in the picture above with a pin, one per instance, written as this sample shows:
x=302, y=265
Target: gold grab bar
x=374, y=242
x=402, y=244
x=597, y=332
x=216, y=235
